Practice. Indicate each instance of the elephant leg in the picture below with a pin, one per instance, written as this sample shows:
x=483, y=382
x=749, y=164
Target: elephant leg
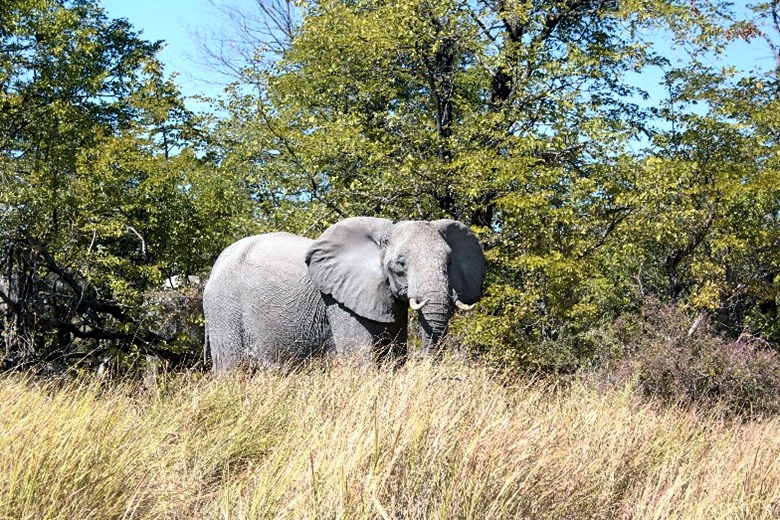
x=391, y=347
x=367, y=340
x=223, y=333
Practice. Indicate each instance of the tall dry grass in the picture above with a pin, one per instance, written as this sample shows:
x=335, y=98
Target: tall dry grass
x=428, y=441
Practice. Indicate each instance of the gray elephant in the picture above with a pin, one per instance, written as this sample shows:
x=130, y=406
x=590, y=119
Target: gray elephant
x=280, y=298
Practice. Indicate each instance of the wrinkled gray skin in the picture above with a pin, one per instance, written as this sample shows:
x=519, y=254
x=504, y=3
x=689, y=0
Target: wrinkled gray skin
x=280, y=298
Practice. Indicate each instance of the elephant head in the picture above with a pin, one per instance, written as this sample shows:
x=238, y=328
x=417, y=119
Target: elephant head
x=376, y=268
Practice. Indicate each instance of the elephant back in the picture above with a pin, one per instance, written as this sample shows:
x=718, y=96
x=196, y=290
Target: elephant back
x=259, y=302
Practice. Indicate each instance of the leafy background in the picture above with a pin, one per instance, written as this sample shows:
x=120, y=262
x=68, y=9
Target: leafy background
x=526, y=120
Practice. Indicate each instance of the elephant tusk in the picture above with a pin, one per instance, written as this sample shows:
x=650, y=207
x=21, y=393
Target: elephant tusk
x=459, y=304
x=417, y=306
x=464, y=306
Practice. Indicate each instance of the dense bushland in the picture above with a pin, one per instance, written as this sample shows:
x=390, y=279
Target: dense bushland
x=633, y=247
x=679, y=363
x=449, y=440
x=532, y=122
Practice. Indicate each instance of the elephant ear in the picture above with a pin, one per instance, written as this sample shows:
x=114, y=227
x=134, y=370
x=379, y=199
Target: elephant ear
x=467, y=268
x=346, y=262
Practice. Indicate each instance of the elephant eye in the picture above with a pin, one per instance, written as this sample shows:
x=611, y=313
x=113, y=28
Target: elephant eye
x=399, y=266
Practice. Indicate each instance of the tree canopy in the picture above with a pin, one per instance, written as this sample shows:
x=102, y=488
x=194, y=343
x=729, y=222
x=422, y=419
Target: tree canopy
x=528, y=120
x=104, y=189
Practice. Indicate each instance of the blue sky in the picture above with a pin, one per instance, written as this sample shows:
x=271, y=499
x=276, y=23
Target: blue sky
x=174, y=21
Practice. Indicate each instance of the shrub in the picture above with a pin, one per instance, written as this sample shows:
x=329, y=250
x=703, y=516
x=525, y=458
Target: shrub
x=678, y=362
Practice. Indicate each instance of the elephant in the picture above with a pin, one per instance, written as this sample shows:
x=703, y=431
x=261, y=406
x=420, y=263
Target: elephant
x=279, y=298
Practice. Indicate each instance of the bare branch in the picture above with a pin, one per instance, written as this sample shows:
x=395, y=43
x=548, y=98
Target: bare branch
x=143, y=242
x=244, y=32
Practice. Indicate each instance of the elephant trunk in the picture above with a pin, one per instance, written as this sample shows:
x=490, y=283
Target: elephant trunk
x=434, y=319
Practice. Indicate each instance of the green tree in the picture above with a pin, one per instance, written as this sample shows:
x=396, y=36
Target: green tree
x=518, y=118
x=105, y=188
x=706, y=234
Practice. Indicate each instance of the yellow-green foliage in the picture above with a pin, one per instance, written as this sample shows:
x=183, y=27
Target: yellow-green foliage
x=443, y=441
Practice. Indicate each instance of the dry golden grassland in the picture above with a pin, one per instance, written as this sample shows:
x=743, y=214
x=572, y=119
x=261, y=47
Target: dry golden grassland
x=443, y=440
